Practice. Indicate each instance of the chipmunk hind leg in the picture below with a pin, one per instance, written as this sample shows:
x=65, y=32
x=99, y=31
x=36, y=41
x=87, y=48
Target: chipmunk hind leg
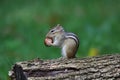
x=70, y=48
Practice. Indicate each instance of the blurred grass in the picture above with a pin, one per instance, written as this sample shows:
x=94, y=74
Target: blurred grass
x=24, y=24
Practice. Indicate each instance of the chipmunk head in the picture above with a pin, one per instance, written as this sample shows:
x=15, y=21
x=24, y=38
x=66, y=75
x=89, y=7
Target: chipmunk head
x=55, y=31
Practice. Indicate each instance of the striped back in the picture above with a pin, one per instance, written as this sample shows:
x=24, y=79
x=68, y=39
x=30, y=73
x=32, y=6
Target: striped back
x=73, y=36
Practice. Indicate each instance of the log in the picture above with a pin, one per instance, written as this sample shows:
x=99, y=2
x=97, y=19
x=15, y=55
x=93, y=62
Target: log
x=105, y=67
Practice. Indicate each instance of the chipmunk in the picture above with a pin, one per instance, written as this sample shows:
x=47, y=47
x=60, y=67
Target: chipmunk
x=68, y=42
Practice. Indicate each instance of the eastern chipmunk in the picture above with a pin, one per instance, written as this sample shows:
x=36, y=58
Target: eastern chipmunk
x=68, y=42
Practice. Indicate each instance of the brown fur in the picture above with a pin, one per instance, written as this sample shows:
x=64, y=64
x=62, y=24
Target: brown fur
x=71, y=48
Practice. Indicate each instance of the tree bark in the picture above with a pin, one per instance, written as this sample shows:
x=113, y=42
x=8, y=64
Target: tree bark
x=105, y=67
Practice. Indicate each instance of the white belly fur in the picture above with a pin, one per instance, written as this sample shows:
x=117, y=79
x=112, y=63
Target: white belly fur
x=64, y=51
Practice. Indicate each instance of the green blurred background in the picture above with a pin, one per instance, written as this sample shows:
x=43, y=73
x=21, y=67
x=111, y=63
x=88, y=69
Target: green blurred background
x=24, y=24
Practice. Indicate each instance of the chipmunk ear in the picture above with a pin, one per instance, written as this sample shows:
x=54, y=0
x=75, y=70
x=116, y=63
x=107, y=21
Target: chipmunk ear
x=58, y=27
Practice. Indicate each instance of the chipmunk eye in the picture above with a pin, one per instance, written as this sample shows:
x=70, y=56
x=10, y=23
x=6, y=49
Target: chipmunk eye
x=52, y=30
